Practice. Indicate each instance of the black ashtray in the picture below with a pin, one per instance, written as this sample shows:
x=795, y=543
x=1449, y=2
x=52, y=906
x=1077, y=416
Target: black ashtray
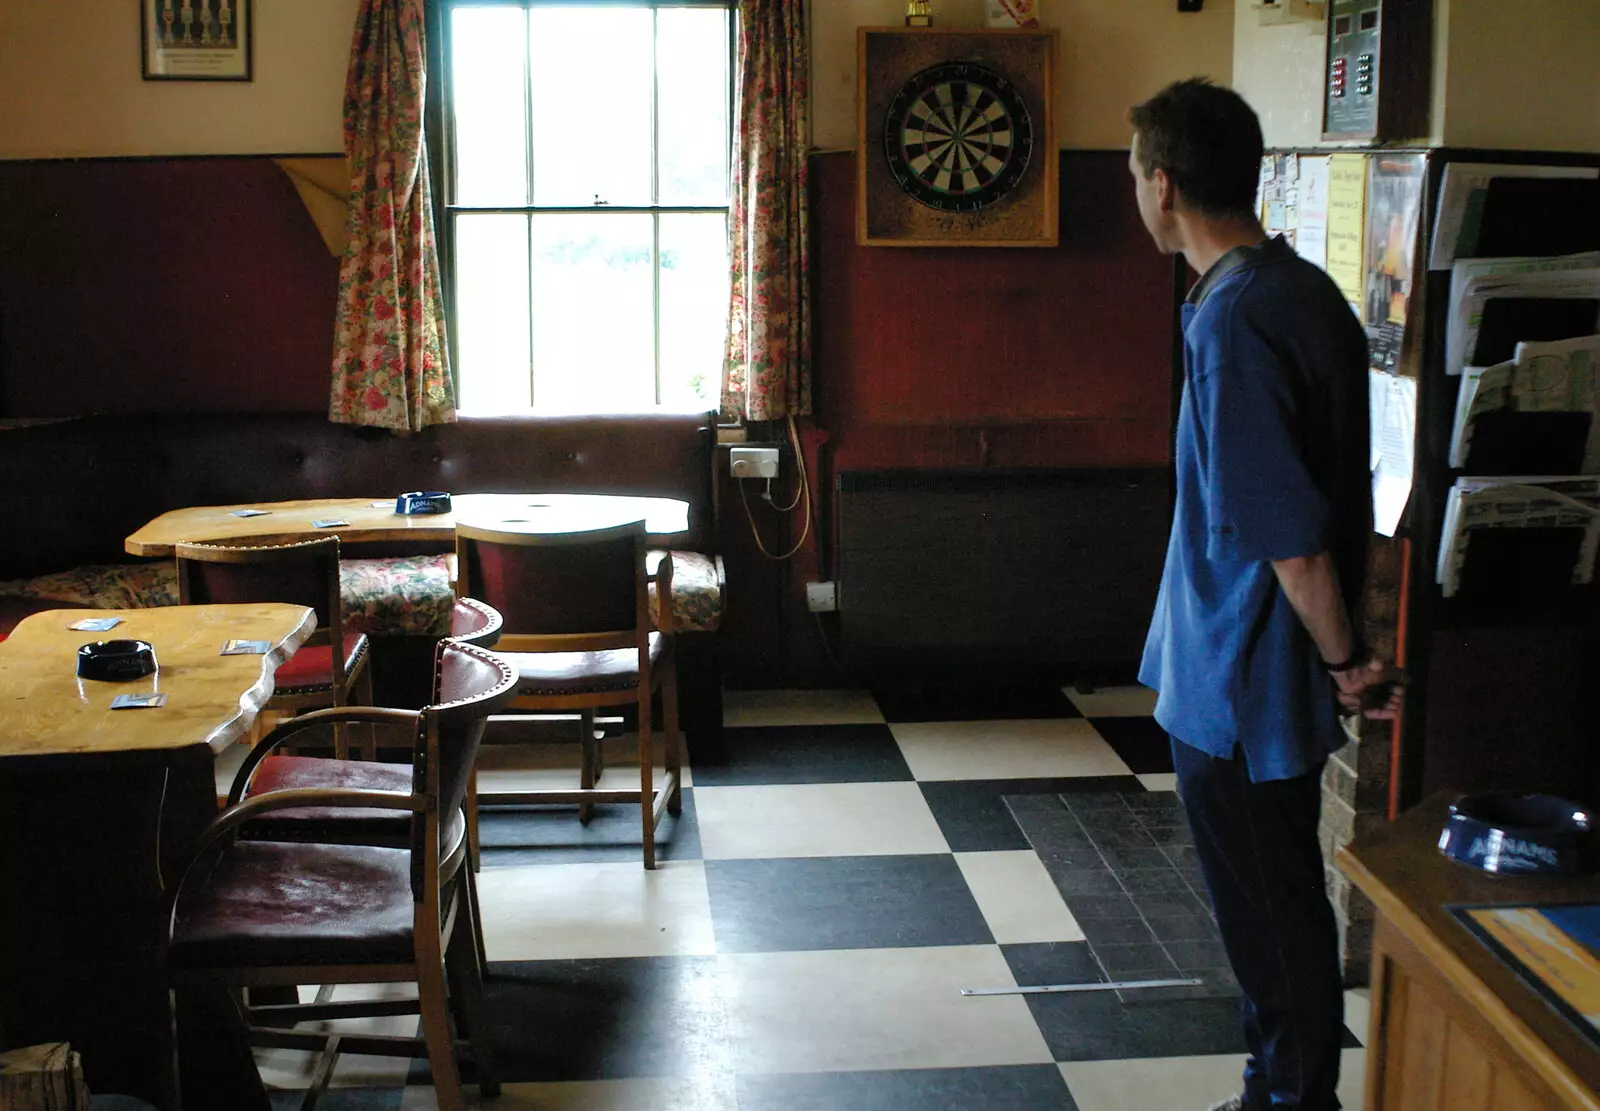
x=422, y=502
x=116, y=660
x=1517, y=834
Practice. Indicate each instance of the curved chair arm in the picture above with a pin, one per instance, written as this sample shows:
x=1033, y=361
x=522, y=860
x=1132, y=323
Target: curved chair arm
x=369, y=715
x=474, y=622
x=663, y=580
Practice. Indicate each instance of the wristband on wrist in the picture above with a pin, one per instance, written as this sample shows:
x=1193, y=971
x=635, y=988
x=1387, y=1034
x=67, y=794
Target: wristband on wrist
x=1359, y=655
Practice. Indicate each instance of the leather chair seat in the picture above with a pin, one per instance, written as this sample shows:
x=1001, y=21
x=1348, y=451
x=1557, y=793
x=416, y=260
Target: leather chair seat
x=274, y=904
x=544, y=673
x=339, y=824
x=311, y=669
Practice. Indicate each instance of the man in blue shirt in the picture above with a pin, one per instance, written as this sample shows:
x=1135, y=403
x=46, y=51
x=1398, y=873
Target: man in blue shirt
x=1252, y=648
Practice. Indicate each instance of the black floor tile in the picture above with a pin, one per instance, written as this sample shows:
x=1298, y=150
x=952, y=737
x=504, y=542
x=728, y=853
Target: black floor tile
x=940, y=697
x=806, y=754
x=515, y=835
x=842, y=902
x=973, y=816
x=340, y=1099
x=1008, y=1088
x=1098, y=1026
x=1142, y=744
x=605, y=1019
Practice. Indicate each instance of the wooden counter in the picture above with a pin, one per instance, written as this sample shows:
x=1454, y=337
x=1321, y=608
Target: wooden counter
x=1453, y=1028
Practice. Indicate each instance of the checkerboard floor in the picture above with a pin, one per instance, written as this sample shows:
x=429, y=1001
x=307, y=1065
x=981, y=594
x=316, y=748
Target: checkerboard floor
x=823, y=900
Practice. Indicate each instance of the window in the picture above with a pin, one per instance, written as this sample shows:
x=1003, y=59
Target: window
x=588, y=204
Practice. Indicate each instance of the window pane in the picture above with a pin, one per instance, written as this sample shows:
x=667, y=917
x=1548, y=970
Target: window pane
x=492, y=312
x=694, y=308
x=491, y=131
x=692, y=56
x=591, y=105
x=593, y=315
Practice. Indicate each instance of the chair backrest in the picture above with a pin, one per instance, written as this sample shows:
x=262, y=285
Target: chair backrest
x=475, y=622
x=470, y=683
x=558, y=584
x=304, y=574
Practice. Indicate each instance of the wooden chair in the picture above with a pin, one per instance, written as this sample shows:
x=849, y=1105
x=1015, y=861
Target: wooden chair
x=579, y=635
x=305, y=573
x=270, y=913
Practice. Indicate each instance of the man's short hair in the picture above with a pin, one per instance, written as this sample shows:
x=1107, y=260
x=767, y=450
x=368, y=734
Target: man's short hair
x=1207, y=139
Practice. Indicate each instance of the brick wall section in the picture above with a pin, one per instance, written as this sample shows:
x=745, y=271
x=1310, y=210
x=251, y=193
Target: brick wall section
x=1355, y=783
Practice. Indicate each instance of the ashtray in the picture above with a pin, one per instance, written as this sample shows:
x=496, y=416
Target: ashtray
x=422, y=502
x=116, y=660
x=1517, y=834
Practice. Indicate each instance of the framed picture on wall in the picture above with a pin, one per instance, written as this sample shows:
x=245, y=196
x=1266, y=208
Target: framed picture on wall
x=196, y=40
x=956, y=143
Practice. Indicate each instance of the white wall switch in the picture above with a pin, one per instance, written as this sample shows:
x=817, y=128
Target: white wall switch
x=753, y=462
x=822, y=597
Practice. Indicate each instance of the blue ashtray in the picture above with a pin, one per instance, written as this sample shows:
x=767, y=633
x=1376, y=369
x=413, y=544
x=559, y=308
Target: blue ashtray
x=422, y=502
x=1517, y=834
x=116, y=660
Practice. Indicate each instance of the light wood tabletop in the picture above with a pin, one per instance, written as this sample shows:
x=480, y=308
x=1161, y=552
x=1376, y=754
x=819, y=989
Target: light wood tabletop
x=369, y=520
x=46, y=710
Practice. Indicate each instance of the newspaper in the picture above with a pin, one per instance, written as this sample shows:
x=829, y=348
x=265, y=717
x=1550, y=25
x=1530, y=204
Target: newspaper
x=1461, y=196
x=1518, y=501
x=1474, y=282
x=1562, y=376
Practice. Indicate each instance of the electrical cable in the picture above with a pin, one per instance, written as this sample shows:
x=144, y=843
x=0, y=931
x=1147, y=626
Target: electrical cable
x=803, y=494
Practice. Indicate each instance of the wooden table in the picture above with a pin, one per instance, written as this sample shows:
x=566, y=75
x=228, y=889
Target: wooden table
x=1452, y=1026
x=375, y=521
x=98, y=808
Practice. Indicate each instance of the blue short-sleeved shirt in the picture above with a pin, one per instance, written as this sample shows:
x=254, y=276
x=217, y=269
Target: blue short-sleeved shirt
x=1271, y=464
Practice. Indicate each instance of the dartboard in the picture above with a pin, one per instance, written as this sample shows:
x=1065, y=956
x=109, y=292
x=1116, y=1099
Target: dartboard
x=958, y=136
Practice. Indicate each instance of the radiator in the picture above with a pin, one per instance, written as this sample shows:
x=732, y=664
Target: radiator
x=1046, y=566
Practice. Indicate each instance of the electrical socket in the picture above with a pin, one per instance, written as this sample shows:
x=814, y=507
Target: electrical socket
x=753, y=462
x=822, y=597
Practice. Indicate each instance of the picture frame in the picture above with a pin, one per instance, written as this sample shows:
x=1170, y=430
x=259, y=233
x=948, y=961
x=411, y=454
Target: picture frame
x=196, y=40
x=913, y=190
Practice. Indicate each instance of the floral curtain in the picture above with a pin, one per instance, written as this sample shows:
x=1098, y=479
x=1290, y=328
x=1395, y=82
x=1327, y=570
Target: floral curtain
x=768, y=371
x=390, y=364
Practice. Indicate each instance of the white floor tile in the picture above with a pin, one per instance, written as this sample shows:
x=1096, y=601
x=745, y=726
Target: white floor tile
x=1160, y=781
x=664, y=1094
x=1180, y=1083
x=575, y=911
x=1358, y=1012
x=1114, y=702
x=1006, y=749
x=227, y=766
x=291, y=1069
x=816, y=819
x=877, y=1009
x=1017, y=897
x=840, y=707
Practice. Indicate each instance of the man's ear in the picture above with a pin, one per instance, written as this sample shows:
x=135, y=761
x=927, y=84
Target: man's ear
x=1166, y=192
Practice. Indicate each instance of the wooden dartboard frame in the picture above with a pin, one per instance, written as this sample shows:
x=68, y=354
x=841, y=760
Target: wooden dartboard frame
x=888, y=216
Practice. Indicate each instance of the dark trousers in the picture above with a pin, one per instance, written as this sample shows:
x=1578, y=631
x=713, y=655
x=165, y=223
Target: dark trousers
x=1262, y=860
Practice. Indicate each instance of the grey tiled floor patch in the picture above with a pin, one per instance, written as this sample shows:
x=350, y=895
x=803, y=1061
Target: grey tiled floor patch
x=1124, y=863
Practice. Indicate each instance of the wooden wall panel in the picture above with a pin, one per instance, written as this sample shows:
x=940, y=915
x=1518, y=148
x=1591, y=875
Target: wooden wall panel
x=154, y=285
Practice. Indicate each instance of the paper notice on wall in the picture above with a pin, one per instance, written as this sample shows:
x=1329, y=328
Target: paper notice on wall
x=1311, y=240
x=1347, y=223
x=1394, y=436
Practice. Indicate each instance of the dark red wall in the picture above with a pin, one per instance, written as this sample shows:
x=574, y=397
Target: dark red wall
x=970, y=357
x=134, y=285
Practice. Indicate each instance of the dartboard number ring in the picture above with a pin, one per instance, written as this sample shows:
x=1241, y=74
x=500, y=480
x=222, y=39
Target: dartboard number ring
x=958, y=136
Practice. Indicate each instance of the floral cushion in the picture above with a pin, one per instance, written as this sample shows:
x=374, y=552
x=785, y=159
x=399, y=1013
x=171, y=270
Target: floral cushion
x=697, y=581
x=104, y=586
x=411, y=595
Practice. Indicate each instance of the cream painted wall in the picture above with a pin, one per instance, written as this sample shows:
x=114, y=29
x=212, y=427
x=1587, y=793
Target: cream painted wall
x=1113, y=53
x=70, y=84
x=1523, y=75
x=1278, y=69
